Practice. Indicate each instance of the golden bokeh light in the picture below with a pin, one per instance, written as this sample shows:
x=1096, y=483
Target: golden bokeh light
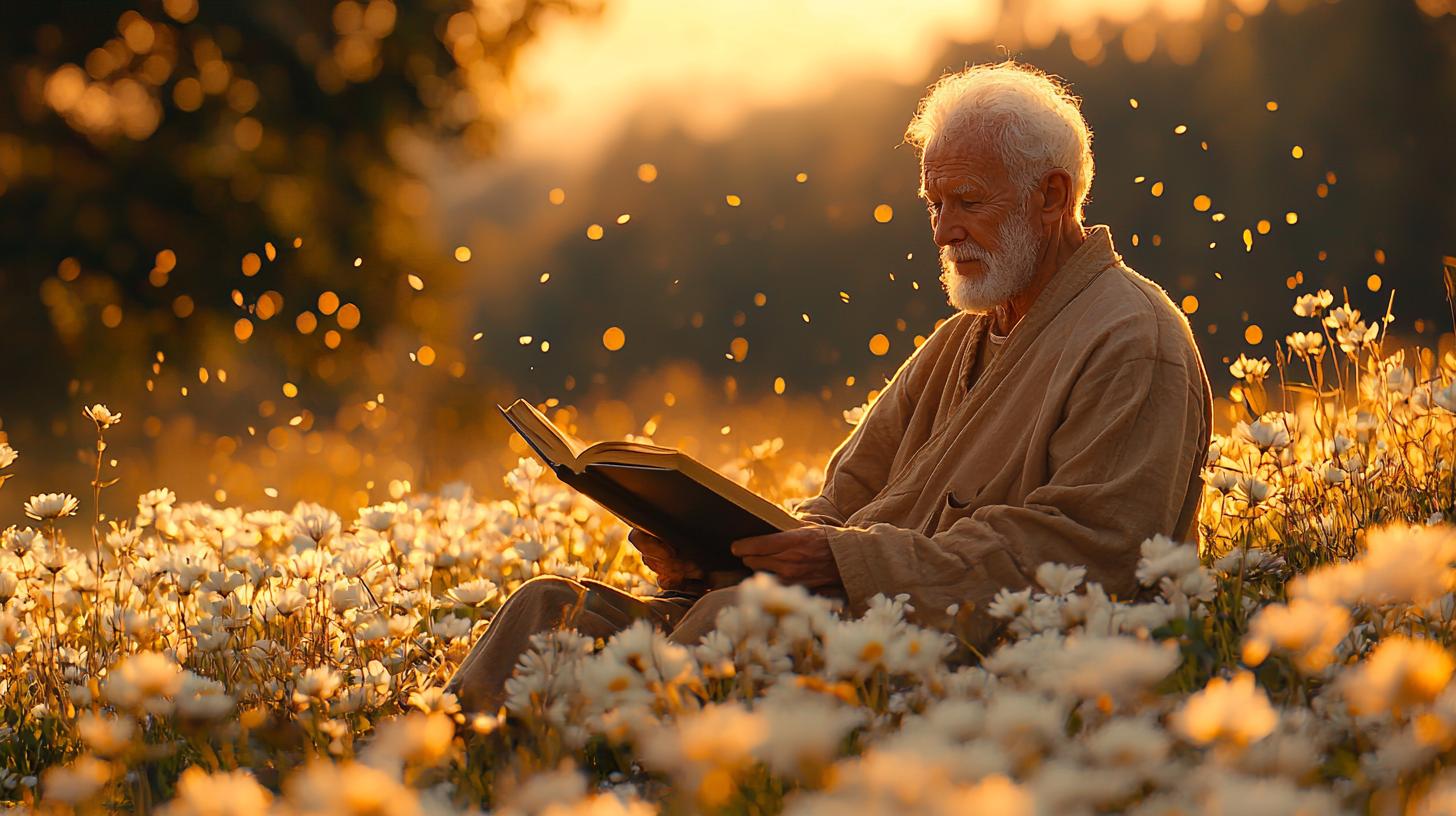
x=614, y=338
x=879, y=345
x=883, y=213
x=462, y=253
x=647, y=172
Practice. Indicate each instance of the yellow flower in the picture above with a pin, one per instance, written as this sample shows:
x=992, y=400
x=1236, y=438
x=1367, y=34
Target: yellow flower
x=1228, y=712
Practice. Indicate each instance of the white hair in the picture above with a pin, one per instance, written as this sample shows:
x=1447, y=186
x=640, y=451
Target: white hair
x=1034, y=122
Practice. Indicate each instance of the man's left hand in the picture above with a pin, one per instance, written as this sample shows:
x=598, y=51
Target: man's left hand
x=799, y=556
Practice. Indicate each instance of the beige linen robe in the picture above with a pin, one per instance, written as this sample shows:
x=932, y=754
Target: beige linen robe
x=1084, y=436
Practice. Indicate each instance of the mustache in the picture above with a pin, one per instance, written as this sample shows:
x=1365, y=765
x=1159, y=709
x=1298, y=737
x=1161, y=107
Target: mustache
x=966, y=250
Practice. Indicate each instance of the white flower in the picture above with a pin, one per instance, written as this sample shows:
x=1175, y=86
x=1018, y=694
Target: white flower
x=1312, y=305
x=1306, y=344
x=48, y=506
x=1228, y=712
x=1165, y=558
x=102, y=416
x=1401, y=674
x=78, y=782
x=1059, y=579
x=1007, y=604
x=318, y=683
x=1307, y=630
x=473, y=593
x=143, y=681
x=1250, y=370
x=8, y=455
x=1269, y=432
x=223, y=793
x=805, y=729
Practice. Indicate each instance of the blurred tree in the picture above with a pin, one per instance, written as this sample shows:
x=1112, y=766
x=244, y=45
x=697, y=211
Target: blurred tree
x=146, y=146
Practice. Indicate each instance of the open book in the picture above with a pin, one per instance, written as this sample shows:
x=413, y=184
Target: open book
x=661, y=491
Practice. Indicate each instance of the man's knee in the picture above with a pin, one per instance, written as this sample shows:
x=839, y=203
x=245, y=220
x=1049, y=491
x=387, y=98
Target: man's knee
x=702, y=618
x=549, y=595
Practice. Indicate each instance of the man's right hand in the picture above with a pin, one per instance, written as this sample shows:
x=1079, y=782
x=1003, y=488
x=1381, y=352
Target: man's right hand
x=662, y=559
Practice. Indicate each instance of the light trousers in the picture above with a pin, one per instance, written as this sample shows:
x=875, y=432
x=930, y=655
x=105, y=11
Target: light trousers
x=592, y=608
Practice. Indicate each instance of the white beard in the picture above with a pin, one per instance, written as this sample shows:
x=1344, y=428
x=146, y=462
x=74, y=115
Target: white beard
x=1005, y=274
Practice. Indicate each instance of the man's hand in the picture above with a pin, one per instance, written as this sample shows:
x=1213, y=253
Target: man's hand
x=662, y=559
x=799, y=556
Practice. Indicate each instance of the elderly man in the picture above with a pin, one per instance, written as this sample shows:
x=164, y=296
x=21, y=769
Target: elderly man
x=1061, y=415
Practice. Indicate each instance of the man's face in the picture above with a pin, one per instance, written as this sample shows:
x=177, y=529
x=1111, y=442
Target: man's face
x=988, y=247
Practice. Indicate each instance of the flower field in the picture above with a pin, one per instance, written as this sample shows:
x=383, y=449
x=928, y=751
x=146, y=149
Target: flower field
x=192, y=659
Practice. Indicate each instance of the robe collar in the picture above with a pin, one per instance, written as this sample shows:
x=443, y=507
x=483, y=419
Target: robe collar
x=1091, y=259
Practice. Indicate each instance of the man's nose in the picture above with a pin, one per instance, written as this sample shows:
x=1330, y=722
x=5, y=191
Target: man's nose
x=948, y=233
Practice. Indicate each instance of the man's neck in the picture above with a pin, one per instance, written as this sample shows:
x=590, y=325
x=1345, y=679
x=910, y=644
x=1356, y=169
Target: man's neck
x=1064, y=242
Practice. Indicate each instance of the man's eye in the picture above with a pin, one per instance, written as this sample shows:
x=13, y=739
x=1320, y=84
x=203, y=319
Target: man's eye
x=967, y=205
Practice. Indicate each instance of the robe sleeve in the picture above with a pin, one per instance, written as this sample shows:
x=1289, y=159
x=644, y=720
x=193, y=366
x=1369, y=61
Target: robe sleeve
x=1130, y=433
x=860, y=467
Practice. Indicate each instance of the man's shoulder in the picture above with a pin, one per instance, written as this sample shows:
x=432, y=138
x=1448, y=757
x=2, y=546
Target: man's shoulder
x=1135, y=316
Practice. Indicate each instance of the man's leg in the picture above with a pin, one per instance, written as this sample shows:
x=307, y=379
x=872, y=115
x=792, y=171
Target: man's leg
x=702, y=618
x=542, y=605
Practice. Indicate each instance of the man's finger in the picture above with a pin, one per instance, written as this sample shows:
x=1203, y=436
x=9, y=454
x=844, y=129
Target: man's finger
x=764, y=544
x=777, y=566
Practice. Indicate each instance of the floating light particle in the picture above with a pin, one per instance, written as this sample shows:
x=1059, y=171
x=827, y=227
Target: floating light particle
x=349, y=317
x=733, y=200
x=805, y=316
x=915, y=285
x=595, y=232
x=462, y=253
x=525, y=339
x=1380, y=257
x=298, y=242
x=738, y=349
x=779, y=385
x=545, y=345
x=1248, y=240
x=1133, y=103
x=844, y=296
x=1322, y=190
x=1330, y=177
x=1290, y=282
x=270, y=492
x=222, y=375
x=184, y=390
x=759, y=299
x=614, y=338
x=1217, y=217
x=1139, y=179
x=1271, y=106
x=426, y=355
x=202, y=375
x=801, y=177
x=1373, y=283
x=1253, y=335
x=1263, y=226
x=111, y=316
x=251, y=264
x=1180, y=130
x=1190, y=304
x=332, y=339
x=290, y=390
x=849, y=381
x=270, y=251
x=358, y=262
x=879, y=345
x=883, y=213
x=182, y=306
x=725, y=430
x=1203, y=146
x=1202, y=203
x=1213, y=245
x=624, y=218
x=328, y=303
x=306, y=322
x=1297, y=152
x=1291, y=217
x=416, y=282
x=647, y=172
x=166, y=262
x=1136, y=239
x=545, y=276
x=1156, y=189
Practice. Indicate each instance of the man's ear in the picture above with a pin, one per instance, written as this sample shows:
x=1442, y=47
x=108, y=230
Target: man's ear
x=1056, y=195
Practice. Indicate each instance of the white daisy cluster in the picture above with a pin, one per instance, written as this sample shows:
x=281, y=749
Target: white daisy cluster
x=1298, y=660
